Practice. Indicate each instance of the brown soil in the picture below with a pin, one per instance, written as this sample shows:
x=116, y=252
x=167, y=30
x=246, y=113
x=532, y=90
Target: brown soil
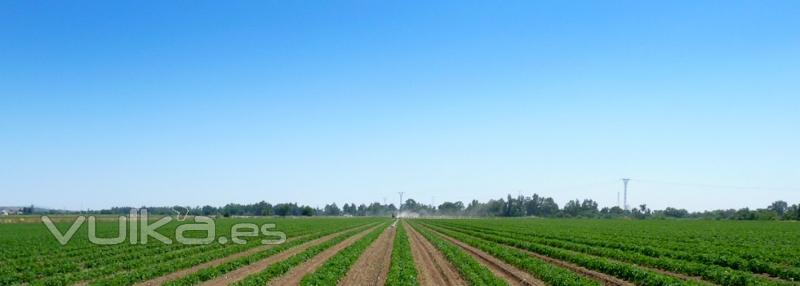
x=372, y=267
x=434, y=269
x=509, y=273
x=185, y=272
x=297, y=273
x=243, y=272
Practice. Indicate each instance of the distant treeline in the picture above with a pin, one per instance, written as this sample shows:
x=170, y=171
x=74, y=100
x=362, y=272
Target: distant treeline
x=520, y=206
x=539, y=206
x=263, y=209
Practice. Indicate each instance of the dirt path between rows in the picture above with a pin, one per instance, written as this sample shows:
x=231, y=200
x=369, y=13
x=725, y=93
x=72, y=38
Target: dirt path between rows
x=434, y=269
x=243, y=272
x=372, y=267
x=513, y=275
x=216, y=262
x=297, y=273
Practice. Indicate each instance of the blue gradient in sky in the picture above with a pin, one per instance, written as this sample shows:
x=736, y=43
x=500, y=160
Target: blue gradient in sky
x=193, y=102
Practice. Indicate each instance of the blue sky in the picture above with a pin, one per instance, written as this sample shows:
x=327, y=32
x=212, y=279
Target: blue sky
x=195, y=102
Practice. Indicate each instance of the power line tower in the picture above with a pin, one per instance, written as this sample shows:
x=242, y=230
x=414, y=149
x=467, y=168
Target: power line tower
x=625, y=200
x=400, y=209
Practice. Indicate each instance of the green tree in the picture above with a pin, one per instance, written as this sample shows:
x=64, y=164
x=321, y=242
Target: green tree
x=449, y=208
x=779, y=207
x=332, y=210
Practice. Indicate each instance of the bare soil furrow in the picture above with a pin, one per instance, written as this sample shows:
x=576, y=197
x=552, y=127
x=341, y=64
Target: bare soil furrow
x=372, y=267
x=507, y=272
x=434, y=269
x=185, y=272
x=297, y=273
x=241, y=273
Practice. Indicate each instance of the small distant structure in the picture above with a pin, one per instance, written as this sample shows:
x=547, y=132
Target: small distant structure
x=7, y=211
x=625, y=183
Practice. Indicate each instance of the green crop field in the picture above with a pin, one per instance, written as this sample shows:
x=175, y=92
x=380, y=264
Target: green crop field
x=648, y=252
x=30, y=255
x=323, y=251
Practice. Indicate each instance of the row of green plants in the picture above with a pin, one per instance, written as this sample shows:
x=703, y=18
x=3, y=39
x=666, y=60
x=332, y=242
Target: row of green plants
x=710, y=251
x=81, y=261
x=280, y=268
x=150, y=265
x=402, y=271
x=337, y=266
x=86, y=264
x=229, y=266
x=632, y=273
x=542, y=270
x=717, y=268
x=717, y=274
x=472, y=271
x=727, y=243
x=157, y=269
x=170, y=261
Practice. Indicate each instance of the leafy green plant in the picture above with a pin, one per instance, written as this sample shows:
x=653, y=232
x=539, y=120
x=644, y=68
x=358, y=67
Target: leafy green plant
x=402, y=271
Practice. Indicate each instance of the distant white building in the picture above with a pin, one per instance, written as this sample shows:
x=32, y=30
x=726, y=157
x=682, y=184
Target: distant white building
x=4, y=212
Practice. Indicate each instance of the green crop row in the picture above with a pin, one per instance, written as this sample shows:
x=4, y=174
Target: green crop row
x=471, y=270
x=760, y=247
x=402, y=271
x=30, y=255
x=625, y=271
x=151, y=267
x=280, y=268
x=158, y=269
x=154, y=265
x=337, y=266
x=713, y=273
x=542, y=270
x=219, y=270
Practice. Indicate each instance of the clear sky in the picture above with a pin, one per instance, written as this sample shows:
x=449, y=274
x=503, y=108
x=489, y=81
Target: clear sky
x=135, y=103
